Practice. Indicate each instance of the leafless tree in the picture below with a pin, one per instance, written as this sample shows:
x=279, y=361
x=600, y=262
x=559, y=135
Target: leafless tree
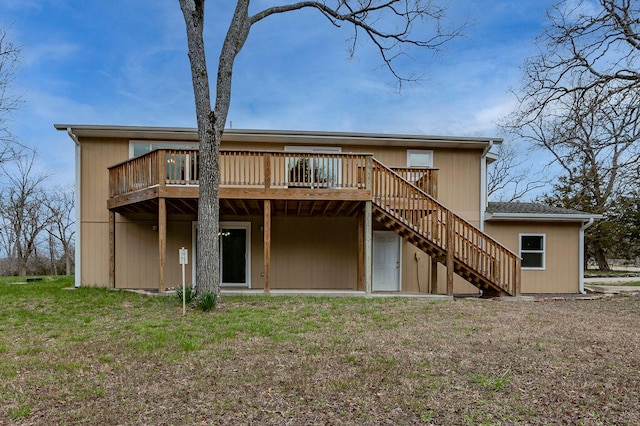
x=580, y=102
x=9, y=54
x=388, y=24
x=586, y=48
x=511, y=177
x=61, y=230
x=22, y=209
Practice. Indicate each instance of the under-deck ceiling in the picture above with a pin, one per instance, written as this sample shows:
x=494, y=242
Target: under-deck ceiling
x=248, y=207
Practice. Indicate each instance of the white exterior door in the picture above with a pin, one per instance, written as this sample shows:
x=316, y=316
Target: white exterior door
x=386, y=261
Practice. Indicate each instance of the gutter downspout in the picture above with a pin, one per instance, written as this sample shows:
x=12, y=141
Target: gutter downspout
x=78, y=248
x=483, y=184
x=584, y=226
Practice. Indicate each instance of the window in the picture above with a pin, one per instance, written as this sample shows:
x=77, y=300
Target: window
x=419, y=158
x=308, y=168
x=180, y=167
x=138, y=148
x=532, y=251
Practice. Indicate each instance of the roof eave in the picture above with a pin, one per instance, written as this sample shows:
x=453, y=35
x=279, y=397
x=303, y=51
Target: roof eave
x=541, y=217
x=286, y=136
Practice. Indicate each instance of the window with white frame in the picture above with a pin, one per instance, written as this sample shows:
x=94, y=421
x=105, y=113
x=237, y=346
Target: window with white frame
x=419, y=158
x=532, y=251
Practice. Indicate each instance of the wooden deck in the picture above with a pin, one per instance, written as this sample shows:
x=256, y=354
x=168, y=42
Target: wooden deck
x=299, y=183
x=317, y=184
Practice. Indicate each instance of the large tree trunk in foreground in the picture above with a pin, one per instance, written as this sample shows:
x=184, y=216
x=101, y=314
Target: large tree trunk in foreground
x=210, y=129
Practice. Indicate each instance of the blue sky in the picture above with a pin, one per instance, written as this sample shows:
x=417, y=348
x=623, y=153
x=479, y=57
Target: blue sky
x=124, y=62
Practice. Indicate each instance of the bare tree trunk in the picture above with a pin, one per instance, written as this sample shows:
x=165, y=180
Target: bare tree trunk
x=601, y=259
x=67, y=258
x=210, y=128
x=52, y=255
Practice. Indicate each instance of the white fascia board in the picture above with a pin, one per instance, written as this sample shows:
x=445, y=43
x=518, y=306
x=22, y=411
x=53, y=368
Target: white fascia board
x=542, y=217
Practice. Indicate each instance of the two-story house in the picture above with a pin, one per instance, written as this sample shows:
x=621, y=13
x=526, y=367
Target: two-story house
x=322, y=211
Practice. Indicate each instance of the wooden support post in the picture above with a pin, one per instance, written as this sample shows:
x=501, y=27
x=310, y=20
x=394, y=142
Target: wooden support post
x=360, y=285
x=517, y=277
x=162, y=242
x=112, y=249
x=450, y=250
x=267, y=245
x=368, y=247
x=434, y=276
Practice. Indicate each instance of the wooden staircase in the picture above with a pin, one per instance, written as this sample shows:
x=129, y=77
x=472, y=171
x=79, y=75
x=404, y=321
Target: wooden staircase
x=419, y=218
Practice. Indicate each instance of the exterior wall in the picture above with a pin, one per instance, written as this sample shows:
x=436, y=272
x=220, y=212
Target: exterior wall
x=561, y=273
x=314, y=253
x=96, y=156
x=306, y=252
x=137, y=252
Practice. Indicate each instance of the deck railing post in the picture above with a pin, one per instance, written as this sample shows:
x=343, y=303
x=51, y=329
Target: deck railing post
x=267, y=170
x=368, y=173
x=161, y=169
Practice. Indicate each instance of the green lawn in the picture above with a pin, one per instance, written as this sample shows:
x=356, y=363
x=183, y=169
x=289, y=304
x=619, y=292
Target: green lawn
x=94, y=356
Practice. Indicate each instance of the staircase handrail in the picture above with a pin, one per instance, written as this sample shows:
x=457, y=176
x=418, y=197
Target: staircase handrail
x=430, y=218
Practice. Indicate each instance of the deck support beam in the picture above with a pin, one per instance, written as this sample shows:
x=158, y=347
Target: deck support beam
x=267, y=246
x=162, y=243
x=368, y=228
x=360, y=284
x=112, y=249
x=368, y=247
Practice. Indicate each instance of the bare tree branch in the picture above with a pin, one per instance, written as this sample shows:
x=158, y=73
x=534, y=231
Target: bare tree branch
x=391, y=41
x=511, y=178
x=9, y=54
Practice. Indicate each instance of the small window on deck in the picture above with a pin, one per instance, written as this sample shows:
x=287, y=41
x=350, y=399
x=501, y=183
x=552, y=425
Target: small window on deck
x=532, y=251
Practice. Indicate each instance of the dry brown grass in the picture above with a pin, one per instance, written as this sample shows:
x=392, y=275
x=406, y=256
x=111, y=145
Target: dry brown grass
x=99, y=357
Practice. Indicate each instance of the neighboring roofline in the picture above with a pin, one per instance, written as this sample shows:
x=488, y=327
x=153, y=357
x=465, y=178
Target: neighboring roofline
x=542, y=217
x=279, y=136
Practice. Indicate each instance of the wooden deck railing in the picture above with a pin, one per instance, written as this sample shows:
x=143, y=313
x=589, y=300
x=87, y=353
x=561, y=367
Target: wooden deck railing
x=258, y=169
x=425, y=179
x=472, y=248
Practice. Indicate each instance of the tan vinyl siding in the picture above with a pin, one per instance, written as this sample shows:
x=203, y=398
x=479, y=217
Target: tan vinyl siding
x=459, y=182
x=95, y=253
x=137, y=253
x=561, y=273
x=314, y=253
x=97, y=156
